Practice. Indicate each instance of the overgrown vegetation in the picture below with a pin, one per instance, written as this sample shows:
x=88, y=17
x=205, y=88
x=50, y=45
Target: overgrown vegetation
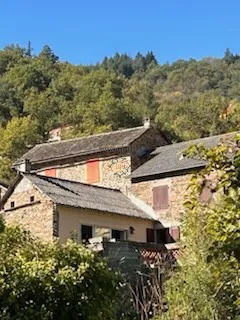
x=207, y=284
x=51, y=281
x=188, y=99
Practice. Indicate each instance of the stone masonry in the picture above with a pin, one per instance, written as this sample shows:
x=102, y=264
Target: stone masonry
x=177, y=188
x=35, y=215
x=114, y=172
x=116, y=166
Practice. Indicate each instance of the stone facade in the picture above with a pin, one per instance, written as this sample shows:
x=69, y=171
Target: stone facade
x=148, y=141
x=115, y=166
x=34, y=214
x=114, y=172
x=75, y=172
x=177, y=187
x=31, y=209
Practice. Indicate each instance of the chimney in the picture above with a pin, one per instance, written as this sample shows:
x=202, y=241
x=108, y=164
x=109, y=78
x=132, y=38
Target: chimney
x=146, y=122
x=24, y=166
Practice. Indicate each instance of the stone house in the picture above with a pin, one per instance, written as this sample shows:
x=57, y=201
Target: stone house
x=52, y=207
x=163, y=180
x=68, y=187
x=106, y=159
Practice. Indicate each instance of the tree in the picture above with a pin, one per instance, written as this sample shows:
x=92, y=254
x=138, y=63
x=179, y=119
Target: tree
x=140, y=101
x=29, y=49
x=151, y=59
x=97, y=105
x=139, y=63
x=52, y=281
x=207, y=284
x=229, y=57
x=10, y=56
x=43, y=107
x=10, y=103
x=192, y=118
x=48, y=54
x=19, y=135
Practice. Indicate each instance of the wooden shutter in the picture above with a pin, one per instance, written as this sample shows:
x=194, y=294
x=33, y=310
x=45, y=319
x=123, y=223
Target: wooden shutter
x=93, y=172
x=150, y=235
x=51, y=172
x=160, y=198
x=175, y=233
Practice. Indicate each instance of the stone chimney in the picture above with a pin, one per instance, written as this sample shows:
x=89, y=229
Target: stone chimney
x=146, y=122
x=24, y=166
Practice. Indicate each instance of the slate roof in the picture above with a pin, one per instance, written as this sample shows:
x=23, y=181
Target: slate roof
x=81, y=195
x=82, y=146
x=167, y=159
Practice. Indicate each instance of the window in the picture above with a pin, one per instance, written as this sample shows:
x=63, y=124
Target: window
x=161, y=197
x=168, y=235
x=32, y=199
x=150, y=235
x=12, y=204
x=93, y=172
x=161, y=235
x=102, y=232
x=86, y=232
x=50, y=172
x=119, y=234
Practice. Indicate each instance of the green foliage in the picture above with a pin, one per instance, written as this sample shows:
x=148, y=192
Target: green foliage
x=10, y=56
x=229, y=57
x=187, y=99
x=19, y=135
x=48, y=54
x=196, y=117
x=52, y=281
x=207, y=284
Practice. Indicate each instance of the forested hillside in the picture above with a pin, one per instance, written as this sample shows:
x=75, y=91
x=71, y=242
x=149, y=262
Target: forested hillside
x=187, y=99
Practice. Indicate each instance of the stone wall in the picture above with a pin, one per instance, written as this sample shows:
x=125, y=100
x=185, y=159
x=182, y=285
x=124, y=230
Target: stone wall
x=177, y=189
x=35, y=216
x=115, y=165
x=114, y=172
x=75, y=172
x=150, y=140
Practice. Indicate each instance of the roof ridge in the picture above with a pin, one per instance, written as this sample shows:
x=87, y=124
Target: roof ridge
x=91, y=135
x=72, y=181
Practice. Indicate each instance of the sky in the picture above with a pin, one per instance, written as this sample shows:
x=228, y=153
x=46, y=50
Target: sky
x=85, y=31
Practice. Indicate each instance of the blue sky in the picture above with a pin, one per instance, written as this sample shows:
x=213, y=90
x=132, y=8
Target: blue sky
x=84, y=31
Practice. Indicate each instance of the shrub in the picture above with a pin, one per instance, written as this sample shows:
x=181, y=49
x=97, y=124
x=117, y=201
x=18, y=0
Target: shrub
x=52, y=281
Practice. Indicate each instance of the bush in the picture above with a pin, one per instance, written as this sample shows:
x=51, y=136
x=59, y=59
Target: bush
x=207, y=286
x=52, y=281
